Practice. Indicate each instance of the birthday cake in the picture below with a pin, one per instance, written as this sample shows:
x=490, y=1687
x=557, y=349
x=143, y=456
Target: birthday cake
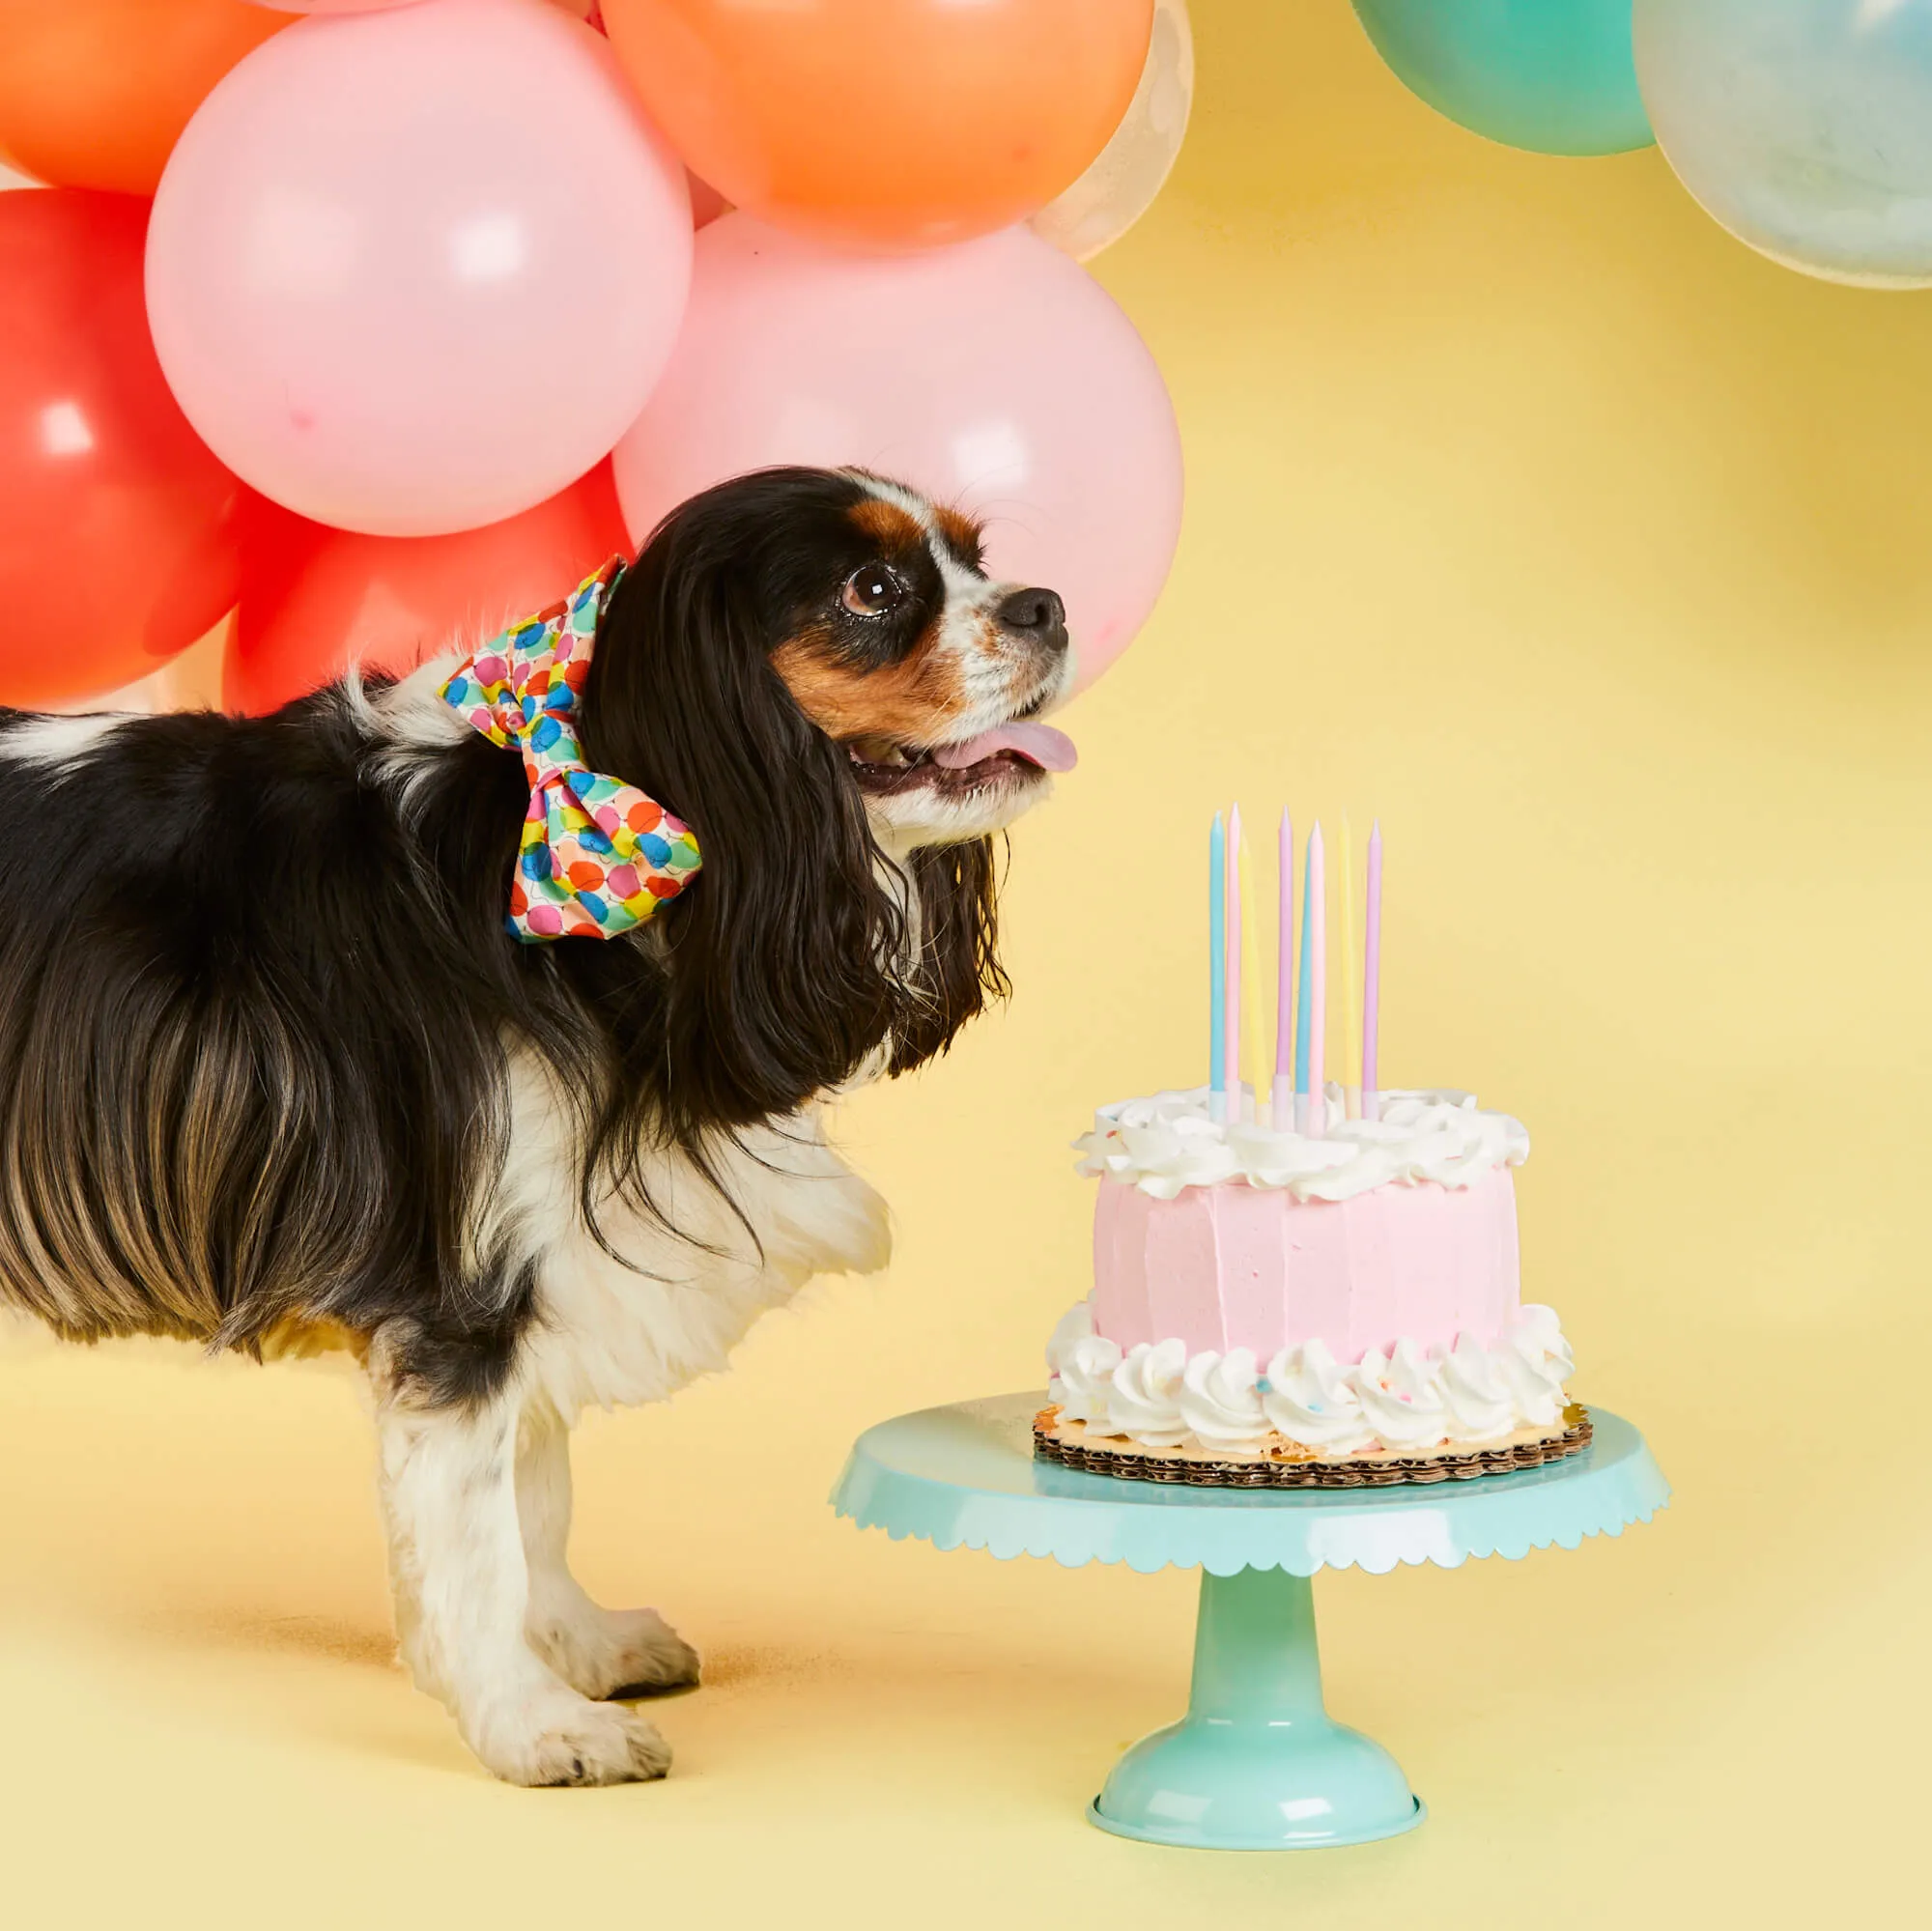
x=1331, y=1308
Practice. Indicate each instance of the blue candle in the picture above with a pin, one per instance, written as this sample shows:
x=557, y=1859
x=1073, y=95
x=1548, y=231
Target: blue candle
x=1303, y=1017
x=1217, y=967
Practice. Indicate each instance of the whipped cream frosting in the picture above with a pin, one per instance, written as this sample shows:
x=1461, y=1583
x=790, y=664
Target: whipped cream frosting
x=1408, y=1399
x=1170, y=1140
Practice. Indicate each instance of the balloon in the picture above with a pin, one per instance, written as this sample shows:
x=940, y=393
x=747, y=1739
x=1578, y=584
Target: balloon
x=116, y=541
x=885, y=123
x=413, y=272
x=1803, y=125
x=190, y=681
x=585, y=9
x=316, y=600
x=1552, y=76
x=997, y=376
x=1133, y=168
x=94, y=93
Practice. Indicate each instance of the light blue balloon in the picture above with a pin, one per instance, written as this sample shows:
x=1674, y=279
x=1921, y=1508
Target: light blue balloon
x=1552, y=76
x=1803, y=125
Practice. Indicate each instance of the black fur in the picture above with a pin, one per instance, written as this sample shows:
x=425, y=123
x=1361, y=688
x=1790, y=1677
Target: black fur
x=255, y=992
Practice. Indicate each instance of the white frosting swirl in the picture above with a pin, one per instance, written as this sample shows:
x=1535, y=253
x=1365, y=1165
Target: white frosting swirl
x=1408, y=1399
x=1168, y=1141
x=1143, y=1396
x=1082, y=1365
x=1311, y=1398
x=1220, y=1401
x=1476, y=1399
x=1402, y=1397
x=1536, y=1361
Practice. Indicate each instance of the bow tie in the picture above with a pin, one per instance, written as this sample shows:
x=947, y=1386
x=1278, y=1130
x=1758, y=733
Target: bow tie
x=597, y=856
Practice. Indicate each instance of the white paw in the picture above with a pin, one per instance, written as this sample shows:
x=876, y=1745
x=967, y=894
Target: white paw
x=601, y=1652
x=557, y=1736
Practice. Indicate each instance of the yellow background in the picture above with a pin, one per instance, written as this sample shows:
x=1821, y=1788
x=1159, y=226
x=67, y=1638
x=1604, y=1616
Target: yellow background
x=1589, y=549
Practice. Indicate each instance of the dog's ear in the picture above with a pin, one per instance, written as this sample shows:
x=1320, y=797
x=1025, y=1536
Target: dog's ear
x=958, y=969
x=777, y=956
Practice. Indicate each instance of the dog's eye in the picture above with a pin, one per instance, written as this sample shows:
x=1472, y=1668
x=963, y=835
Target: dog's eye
x=872, y=591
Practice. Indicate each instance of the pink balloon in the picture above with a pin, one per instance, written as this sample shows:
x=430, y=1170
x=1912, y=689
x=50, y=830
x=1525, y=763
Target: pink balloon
x=415, y=270
x=997, y=376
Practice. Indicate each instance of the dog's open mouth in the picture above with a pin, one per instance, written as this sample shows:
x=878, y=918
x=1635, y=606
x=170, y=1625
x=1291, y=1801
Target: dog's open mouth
x=1017, y=753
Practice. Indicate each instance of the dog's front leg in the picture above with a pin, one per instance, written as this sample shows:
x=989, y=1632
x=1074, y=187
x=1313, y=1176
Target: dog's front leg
x=598, y=1651
x=456, y=1555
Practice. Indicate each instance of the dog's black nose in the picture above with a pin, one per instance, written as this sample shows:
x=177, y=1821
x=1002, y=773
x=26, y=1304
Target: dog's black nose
x=1038, y=613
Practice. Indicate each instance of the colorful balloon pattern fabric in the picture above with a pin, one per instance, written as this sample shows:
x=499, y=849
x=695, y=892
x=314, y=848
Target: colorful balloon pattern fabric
x=597, y=857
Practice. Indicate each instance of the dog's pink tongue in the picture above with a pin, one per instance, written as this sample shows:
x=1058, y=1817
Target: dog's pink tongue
x=1038, y=744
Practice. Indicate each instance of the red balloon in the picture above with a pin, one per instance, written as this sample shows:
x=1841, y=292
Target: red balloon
x=316, y=600
x=117, y=539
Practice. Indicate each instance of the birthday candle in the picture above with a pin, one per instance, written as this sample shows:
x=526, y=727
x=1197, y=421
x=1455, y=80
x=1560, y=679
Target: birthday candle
x=1231, y=1077
x=1371, y=981
x=1350, y=1001
x=1284, y=993
x=1254, y=1040
x=1301, y=991
x=1217, y=986
x=1318, y=998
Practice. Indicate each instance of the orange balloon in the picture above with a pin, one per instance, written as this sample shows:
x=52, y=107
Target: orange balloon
x=898, y=123
x=94, y=92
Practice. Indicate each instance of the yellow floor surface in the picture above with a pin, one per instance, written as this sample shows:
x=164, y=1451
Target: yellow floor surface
x=1589, y=549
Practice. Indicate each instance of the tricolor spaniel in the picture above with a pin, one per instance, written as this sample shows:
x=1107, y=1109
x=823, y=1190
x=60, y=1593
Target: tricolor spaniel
x=275, y=1076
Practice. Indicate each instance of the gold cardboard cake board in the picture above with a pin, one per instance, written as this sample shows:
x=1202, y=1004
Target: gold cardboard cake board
x=1381, y=1472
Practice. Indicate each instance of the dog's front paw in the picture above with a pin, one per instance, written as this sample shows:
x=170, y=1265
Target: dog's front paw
x=610, y=1651
x=557, y=1737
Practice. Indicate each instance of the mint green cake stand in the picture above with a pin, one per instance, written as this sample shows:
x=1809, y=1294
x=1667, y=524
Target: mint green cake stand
x=1257, y=1763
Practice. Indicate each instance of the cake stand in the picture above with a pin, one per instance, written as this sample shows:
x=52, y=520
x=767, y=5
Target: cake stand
x=1257, y=1763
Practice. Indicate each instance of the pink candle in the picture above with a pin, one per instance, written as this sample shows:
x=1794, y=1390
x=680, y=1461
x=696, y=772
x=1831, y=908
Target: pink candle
x=1233, y=1045
x=1371, y=980
x=1317, y=983
x=1284, y=1001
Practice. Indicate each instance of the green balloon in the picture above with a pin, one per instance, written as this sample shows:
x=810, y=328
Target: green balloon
x=1554, y=77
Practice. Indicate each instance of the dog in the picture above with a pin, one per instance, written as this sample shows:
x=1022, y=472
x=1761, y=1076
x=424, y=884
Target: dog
x=274, y=1077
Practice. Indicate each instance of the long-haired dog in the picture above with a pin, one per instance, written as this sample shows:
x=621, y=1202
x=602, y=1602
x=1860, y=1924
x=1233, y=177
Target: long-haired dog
x=274, y=1077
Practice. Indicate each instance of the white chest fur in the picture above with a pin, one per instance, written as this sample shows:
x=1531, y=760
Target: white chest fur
x=612, y=1335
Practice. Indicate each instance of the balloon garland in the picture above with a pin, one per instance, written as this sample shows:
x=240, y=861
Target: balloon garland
x=415, y=268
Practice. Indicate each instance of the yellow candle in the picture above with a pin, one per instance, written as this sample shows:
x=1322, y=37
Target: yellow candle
x=1253, y=1058
x=1349, y=1004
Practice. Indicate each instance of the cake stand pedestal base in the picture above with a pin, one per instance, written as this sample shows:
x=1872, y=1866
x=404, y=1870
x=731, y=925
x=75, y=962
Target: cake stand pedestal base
x=1257, y=1763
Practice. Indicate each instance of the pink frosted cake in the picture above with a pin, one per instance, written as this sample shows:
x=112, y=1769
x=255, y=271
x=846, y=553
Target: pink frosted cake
x=1272, y=1308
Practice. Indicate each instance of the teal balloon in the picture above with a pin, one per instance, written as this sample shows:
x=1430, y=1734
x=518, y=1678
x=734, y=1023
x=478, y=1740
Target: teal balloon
x=1554, y=77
